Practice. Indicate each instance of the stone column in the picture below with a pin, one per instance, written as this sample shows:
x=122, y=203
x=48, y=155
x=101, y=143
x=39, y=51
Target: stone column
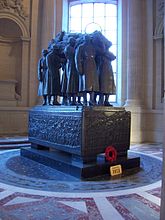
x=135, y=68
x=59, y=15
x=25, y=72
x=52, y=18
x=135, y=54
x=162, y=208
x=42, y=31
x=48, y=22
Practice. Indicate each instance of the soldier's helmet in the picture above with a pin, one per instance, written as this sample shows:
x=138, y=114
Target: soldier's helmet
x=44, y=52
x=71, y=40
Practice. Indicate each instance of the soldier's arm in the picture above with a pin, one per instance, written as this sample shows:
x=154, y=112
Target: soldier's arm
x=40, y=70
x=79, y=60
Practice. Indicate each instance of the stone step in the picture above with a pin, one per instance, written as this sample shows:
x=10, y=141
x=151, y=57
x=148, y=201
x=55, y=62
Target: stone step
x=13, y=146
x=14, y=142
x=63, y=162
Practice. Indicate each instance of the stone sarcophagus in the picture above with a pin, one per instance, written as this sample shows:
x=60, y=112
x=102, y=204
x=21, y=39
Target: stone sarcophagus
x=74, y=139
x=83, y=131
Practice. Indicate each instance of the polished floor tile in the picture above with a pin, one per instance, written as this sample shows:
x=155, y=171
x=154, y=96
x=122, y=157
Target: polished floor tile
x=41, y=194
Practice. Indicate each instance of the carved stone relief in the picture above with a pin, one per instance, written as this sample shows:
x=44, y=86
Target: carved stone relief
x=159, y=27
x=15, y=6
x=159, y=53
x=161, y=8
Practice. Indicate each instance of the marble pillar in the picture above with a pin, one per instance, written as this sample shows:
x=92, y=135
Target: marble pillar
x=25, y=72
x=134, y=101
x=135, y=54
x=59, y=16
x=48, y=22
x=43, y=20
x=162, y=209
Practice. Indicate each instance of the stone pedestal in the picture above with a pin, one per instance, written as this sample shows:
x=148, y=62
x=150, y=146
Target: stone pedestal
x=72, y=139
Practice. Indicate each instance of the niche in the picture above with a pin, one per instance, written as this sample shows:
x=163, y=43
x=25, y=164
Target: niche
x=11, y=55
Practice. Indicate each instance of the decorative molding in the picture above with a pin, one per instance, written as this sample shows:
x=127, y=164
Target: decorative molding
x=10, y=40
x=161, y=9
x=20, y=22
x=74, y=2
x=85, y=132
x=9, y=81
x=46, y=127
x=26, y=39
x=15, y=6
x=159, y=29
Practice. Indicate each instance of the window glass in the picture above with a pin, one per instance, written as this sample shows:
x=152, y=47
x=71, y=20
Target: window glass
x=99, y=10
x=75, y=24
x=113, y=49
x=91, y=27
x=87, y=10
x=75, y=11
x=86, y=24
x=111, y=10
x=111, y=23
x=88, y=17
x=112, y=36
x=114, y=68
x=100, y=21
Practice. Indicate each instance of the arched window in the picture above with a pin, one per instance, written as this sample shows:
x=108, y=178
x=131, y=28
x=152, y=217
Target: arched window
x=86, y=16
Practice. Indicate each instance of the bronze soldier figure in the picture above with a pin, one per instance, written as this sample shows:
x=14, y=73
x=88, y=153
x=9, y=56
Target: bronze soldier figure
x=43, y=77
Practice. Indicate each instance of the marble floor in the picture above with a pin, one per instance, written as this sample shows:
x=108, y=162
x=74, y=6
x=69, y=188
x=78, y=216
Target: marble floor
x=45, y=195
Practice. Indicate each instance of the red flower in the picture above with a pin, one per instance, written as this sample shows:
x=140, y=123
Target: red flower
x=110, y=153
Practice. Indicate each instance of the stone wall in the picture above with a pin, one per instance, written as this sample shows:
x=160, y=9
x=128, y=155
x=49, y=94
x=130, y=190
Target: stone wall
x=22, y=36
x=29, y=26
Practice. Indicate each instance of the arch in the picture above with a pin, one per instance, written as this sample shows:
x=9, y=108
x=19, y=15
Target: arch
x=73, y=2
x=18, y=21
x=21, y=42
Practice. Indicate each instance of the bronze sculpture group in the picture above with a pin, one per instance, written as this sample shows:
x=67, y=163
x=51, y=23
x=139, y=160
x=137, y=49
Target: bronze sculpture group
x=75, y=65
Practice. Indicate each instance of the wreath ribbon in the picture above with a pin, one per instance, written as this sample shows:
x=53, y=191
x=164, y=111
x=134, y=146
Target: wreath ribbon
x=110, y=154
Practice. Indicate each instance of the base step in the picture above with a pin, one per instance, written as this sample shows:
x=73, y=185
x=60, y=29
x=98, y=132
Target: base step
x=63, y=162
